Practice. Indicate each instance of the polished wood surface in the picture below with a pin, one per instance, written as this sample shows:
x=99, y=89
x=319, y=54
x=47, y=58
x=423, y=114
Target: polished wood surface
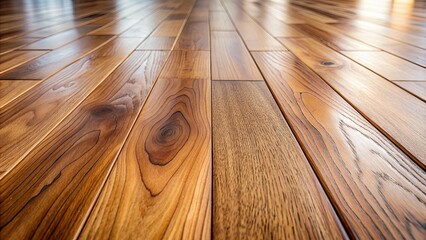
x=246, y=122
x=223, y=119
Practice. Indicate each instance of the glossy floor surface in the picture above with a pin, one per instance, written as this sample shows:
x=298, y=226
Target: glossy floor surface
x=225, y=119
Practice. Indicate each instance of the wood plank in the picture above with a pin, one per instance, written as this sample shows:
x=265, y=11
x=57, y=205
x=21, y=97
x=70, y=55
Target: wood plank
x=416, y=88
x=60, y=39
x=332, y=39
x=163, y=36
x=389, y=66
x=11, y=89
x=38, y=111
x=144, y=28
x=362, y=169
x=230, y=58
x=391, y=109
x=16, y=58
x=57, y=59
x=220, y=21
x=10, y=45
x=261, y=177
x=254, y=36
x=80, y=152
x=163, y=174
x=115, y=28
x=157, y=43
x=194, y=36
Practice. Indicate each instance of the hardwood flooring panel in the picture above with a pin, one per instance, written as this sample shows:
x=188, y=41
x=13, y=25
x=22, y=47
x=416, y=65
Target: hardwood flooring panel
x=11, y=89
x=16, y=58
x=219, y=21
x=144, y=28
x=60, y=39
x=164, y=36
x=115, y=28
x=254, y=36
x=10, y=45
x=366, y=175
x=51, y=192
x=230, y=58
x=336, y=41
x=389, y=66
x=162, y=178
x=169, y=28
x=157, y=43
x=391, y=109
x=261, y=176
x=57, y=59
x=194, y=36
x=39, y=111
x=416, y=88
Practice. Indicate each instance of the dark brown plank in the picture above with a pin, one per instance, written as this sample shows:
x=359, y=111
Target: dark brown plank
x=366, y=175
x=40, y=110
x=230, y=58
x=262, y=180
x=163, y=174
x=57, y=59
x=51, y=192
x=391, y=109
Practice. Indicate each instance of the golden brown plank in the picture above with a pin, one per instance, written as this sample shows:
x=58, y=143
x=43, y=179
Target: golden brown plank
x=389, y=66
x=38, y=111
x=10, y=45
x=230, y=58
x=164, y=36
x=11, y=89
x=60, y=39
x=51, y=192
x=416, y=88
x=57, y=59
x=16, y=58
x=162, y=178
x=367, y=176
x=262, y=180
x=391, y=109
x=143, y=28
x=194, y=36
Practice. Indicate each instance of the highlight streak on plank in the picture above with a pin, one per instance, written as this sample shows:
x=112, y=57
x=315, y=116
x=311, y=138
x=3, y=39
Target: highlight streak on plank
x=38, y=111
x=11, y=89
x=366, y=175
x=51, y=192
x=160, y=186
x=264, y=187
x=391, y=109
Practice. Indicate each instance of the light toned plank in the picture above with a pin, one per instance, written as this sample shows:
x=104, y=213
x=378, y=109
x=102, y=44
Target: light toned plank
x=16, y=58
x=160, y=186
x=367, y=176
x=219, y=21
x=57, y=59
x=416, y=88
x=389, y=66
x=80, y=152
x=264, y=187
x=27, y=120
x=115, y=28
x=230, y=58
x=11, y=89
x=60, y=39
x=391, y=109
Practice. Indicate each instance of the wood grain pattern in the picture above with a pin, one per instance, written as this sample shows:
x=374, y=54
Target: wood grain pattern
x=61, y=178
x=194, y=36
x=16, y=58
x=219, y=21
x=389, y=66
x=60, y=39
x=261, y=176
x=144, y=28
x=38, y=111
x=366, y=175
x=391, y=109
x=230, y=58
x=416, y=88
x=160, y=186
x=11, y=89
x=115, y=28
x=10, y=45
x=55, y=60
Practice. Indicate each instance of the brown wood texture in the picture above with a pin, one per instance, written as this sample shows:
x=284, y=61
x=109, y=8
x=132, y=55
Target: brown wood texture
x=230, y=58
x=162, y=178
x=55, y=60
x=220, y=21
x=38, y=111
x=392, y=110
x=16, y=58
x=64, y=174
x=367, y=176
x=416, y=88
x=267, y=180
x=11, y=89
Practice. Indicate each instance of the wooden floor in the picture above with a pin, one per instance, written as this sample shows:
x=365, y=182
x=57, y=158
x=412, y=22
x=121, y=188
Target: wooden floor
x=224, y=119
